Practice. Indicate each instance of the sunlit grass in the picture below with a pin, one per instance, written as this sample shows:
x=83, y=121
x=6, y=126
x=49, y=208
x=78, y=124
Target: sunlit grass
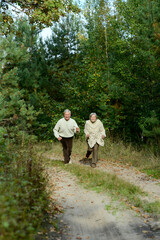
x=153, y=172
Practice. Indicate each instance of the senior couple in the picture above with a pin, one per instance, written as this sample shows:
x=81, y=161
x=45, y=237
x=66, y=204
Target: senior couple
x=94, y=131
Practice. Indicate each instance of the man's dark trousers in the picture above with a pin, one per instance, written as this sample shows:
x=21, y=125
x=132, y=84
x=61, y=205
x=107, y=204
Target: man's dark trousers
x=67, y=148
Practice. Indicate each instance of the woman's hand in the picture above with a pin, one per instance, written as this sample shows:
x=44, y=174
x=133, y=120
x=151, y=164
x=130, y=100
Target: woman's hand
x=103, y=136
x=59, y=138
x=87, y=135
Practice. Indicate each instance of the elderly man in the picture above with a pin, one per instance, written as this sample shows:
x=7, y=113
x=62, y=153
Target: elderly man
x=64, y=131
x=95, y=134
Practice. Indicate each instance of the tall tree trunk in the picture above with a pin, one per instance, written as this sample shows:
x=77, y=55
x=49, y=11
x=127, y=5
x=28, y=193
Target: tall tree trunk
x=106, y=46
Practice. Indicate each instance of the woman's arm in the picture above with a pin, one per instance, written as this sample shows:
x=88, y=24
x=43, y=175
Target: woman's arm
x=86, y=130
x=102, y=130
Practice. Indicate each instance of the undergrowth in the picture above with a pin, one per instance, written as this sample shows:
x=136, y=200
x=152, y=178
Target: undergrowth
x=23, y=196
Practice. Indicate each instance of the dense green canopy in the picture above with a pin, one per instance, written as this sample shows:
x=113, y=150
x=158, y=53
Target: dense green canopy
x=104, y=58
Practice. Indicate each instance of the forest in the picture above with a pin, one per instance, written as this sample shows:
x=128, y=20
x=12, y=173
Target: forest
x=102, y=56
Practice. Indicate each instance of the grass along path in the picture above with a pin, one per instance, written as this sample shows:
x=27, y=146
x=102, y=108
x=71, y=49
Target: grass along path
x=118, y=159
x=122, y=168
x=117, y=188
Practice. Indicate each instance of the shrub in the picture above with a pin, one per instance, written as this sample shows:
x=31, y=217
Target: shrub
x=23, y=195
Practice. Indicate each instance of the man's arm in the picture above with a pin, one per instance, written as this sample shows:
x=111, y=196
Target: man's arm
x=76, y=128
x=56, y=130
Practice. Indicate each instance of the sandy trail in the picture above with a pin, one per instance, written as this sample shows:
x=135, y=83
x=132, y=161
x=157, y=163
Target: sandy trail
x=85, y=215
x=128, y=173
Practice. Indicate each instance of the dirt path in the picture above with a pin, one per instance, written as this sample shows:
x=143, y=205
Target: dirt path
x=132, y=175
x=128, y=173
x=85, y=215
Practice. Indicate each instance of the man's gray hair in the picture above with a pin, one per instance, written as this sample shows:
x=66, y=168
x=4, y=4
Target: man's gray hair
x=92, y=114
x=67, y=110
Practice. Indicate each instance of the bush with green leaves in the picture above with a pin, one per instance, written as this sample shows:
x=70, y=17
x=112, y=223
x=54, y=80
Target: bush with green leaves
x=24, y=199
x=150, y=127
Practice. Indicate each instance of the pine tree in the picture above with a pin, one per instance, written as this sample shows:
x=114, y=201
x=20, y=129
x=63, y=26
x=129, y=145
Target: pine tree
x=16, y=116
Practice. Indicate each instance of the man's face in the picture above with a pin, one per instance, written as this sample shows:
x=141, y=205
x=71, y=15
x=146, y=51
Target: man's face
x=93, y=118
x=67, y=116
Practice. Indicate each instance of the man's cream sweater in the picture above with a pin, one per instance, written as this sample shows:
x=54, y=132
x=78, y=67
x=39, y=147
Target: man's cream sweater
x=65, y=128
x=95, y=131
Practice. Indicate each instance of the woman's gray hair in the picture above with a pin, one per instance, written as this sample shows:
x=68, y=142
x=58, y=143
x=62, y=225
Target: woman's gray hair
x=67, y=110
x=92, y=114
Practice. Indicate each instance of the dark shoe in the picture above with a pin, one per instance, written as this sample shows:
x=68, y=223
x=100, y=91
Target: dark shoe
x=88, y=154
x=93, y=165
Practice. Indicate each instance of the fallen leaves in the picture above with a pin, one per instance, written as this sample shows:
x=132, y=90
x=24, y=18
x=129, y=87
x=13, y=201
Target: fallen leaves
x=144, y=231
x=146, y=216
x=58, y=208
x=135, y=209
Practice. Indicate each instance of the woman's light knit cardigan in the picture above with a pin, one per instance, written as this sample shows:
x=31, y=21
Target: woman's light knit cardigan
x=95, y=131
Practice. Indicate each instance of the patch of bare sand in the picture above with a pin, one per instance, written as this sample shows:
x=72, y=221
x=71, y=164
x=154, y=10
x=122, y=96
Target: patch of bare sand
x=85, y=215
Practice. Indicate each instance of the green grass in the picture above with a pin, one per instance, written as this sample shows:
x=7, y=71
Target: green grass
x=117, y=188
x=113, y=209
x=153, y=172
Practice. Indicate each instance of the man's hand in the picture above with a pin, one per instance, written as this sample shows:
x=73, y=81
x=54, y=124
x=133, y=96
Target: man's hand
x=59, y=138
x=77, y=129
x=103, y=136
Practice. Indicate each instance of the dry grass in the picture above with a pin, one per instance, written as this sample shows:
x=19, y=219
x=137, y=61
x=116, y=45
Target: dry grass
x=117, y=151
x=114, y=152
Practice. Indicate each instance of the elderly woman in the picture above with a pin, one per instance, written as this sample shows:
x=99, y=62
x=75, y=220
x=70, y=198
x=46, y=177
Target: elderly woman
x=95, y=134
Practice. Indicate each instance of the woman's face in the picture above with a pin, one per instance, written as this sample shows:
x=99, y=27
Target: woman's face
x=93, y=118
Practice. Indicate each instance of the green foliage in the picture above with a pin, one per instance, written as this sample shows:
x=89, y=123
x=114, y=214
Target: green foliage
x=151, y=127
x=23, y=196
x=42, y=13
x=101, y=61
x=16, y=116
x=151, y=131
